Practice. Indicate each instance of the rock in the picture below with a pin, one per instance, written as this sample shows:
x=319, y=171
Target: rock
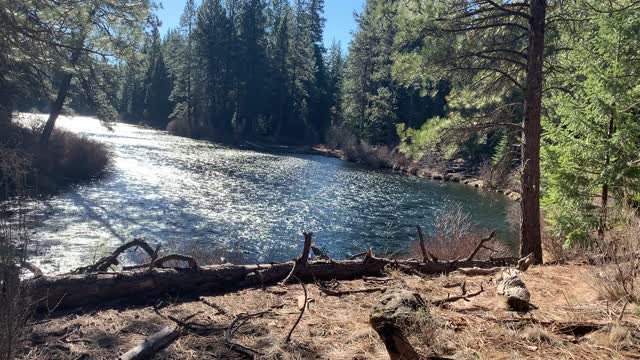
x=477, y=183
x=515, y=196
x=517, y=296
x=412, y=170
x=396, y=167
x=437, y=176
x=424, y=173
x=394, y=312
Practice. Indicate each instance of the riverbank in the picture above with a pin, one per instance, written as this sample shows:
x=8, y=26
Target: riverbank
x=571, y=320
x=457, y=171
x=69, y=159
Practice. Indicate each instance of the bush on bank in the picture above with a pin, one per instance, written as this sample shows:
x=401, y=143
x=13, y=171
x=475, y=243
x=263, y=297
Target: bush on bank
x=70, y=158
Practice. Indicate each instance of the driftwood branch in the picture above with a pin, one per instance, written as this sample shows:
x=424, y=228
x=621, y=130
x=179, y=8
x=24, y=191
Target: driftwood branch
x=463, y=296
x=160, y=262
x=481, y=245
x=108, y=261
x=302, y=261
x=358, y=255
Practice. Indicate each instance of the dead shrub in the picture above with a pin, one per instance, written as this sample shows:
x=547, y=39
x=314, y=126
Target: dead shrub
x=356, y=150
x=456, y=235
x=14, y=240
x=69, y=157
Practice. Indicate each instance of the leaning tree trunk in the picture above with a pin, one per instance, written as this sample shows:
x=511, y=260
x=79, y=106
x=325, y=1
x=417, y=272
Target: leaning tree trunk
x=530, y=238
x=63, y=90
x=56, y=109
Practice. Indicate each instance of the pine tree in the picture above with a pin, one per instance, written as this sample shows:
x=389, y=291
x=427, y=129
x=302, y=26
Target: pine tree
x=335, y=63
x=370, y=95
x=158, y=85
x=302, y=70
x=591, y=141
x=252, y=77
x=212, y=37
x=278, y=52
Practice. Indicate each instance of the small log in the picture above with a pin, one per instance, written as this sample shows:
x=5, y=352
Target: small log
x=514, y=290
x=479, y=271
x=332, y=292
x=153, y=344
x=396, y=307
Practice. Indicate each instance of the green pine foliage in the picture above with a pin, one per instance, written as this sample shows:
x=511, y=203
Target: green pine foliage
x=591, y=143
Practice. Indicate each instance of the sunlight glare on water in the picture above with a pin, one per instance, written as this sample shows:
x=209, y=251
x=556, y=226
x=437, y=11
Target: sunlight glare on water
x=198, y=197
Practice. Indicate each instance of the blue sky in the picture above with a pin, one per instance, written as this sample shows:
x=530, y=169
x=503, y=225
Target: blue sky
x=339, y=14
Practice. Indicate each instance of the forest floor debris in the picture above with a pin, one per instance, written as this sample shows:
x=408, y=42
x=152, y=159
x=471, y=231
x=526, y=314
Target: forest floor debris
x=570, y=321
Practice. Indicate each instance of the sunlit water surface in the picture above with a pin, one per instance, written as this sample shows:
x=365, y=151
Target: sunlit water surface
x=201, y=198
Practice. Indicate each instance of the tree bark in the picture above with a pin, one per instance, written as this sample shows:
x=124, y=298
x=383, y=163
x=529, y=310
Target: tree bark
x=530, y=237
x=6, y=106
x=56, y=109
x=74, y=290
x=602, y=226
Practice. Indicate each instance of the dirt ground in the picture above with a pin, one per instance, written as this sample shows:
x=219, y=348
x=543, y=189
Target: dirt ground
x=337, y=327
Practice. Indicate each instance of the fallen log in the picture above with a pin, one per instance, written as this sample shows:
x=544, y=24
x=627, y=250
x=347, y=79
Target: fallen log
x=74, y=290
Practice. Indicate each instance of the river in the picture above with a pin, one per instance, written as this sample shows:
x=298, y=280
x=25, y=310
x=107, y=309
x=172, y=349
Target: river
x=201, y=198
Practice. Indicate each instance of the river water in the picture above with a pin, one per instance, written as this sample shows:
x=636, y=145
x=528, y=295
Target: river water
x=201, y=198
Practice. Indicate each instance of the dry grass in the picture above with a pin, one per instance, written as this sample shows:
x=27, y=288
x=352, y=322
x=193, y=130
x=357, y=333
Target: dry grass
x=618, y=276
x=337, y=327
x=70, y=158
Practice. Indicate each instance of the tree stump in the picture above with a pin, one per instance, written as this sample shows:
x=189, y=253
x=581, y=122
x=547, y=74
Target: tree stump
x=396, y=309
x=514, y=290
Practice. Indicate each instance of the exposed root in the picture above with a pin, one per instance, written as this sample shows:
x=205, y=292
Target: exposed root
x=236, y=324
x=302, y=308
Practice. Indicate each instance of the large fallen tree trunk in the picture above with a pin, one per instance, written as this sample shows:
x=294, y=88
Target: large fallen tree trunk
x=74, y=290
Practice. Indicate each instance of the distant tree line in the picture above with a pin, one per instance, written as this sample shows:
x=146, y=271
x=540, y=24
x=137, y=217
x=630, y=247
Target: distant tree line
x=238, y=69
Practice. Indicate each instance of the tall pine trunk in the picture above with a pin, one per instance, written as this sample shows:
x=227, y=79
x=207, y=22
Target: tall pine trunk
x=530, y=237
x=602, y=226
